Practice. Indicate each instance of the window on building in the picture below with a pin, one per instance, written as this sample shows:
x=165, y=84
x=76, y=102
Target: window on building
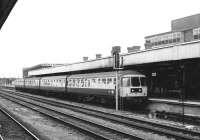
x=170, y=38
x=148, y=41
x=174, y=37
x=155, y=44
x=196, y=33
x=163, y=40
x=178, y=37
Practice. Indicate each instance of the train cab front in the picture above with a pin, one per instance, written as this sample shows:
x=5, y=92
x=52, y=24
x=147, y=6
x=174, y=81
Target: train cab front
x=134, y=88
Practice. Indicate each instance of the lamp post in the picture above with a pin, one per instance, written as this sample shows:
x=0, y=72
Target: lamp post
x=116, y=66
x=183, y=91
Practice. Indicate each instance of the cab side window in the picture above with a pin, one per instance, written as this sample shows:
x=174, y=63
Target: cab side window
x=126, y=82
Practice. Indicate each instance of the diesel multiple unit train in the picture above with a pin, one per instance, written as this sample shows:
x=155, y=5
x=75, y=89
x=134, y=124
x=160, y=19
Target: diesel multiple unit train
x=132, y=84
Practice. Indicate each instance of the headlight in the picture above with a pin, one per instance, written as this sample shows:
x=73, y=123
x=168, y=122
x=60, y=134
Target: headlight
x=136, y=90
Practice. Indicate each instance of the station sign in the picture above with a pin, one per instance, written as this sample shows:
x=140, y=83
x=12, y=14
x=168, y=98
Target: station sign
x=153, y=74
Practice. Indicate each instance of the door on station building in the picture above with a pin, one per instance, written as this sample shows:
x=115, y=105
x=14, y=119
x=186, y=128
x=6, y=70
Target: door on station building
x=165, y=83
x=193, y=81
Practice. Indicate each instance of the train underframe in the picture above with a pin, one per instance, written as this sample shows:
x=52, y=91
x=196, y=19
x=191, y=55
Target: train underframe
x=108, y=100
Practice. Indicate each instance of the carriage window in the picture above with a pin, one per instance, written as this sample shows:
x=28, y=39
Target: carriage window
x=99, y=80
x=135, y=81
x=69, y=83
x=104, y=80
x=114, y=80
x=143, y=81
x=82, y=82
x=93, y=80
x=126, y=82
x=88, y=82
x=78, y=82
x=73, y=83
x=109, y=80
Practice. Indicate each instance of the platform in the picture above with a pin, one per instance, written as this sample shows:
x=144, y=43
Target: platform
x=189, y=108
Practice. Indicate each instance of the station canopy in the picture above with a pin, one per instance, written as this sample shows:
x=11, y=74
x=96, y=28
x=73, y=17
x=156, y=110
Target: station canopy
x=180, y=51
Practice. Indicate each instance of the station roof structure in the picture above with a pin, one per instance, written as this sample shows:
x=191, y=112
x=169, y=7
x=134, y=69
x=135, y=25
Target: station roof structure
x=181, y=51
x=5, y=8
x=185, y=23
x=186, y=48
x=41, y=66
x=38, y=67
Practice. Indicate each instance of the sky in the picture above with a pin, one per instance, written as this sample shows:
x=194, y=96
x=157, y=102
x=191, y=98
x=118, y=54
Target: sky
x=63, y=31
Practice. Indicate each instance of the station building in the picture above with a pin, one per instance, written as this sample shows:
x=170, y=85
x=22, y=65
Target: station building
x=170, y=60
x=182, y=30
x=181, y=75
x=37, y=67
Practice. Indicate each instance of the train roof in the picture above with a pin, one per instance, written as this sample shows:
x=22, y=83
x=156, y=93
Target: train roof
x=54, y=77
x=90, y=75
x=33, y=78
x=106, y=74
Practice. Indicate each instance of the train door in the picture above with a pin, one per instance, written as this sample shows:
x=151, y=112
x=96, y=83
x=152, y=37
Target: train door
x=125, y=86
x=143, y=83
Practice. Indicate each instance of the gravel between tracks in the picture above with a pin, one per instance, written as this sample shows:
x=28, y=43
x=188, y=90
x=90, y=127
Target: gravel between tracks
x=146, y=135
x=124, y=113
x=48, y=128
x=9, y=130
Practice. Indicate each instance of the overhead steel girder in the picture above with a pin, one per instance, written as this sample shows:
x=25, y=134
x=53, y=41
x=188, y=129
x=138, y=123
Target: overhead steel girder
x=5, y=9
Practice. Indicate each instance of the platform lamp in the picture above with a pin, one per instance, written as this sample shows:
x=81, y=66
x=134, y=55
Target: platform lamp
x=116, y=66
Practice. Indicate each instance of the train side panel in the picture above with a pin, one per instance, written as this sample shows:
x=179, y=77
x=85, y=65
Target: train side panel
x=32, y=83
x=19, y=84
x=53, y=84
x=95, y=84
x=131, y=84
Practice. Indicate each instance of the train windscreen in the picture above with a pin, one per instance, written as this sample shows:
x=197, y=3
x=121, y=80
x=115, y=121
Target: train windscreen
x=143, y=81
x=135, y=81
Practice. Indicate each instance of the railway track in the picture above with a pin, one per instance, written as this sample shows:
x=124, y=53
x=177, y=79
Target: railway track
x=170, y=131
x=20, y=129
x=96, y=130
